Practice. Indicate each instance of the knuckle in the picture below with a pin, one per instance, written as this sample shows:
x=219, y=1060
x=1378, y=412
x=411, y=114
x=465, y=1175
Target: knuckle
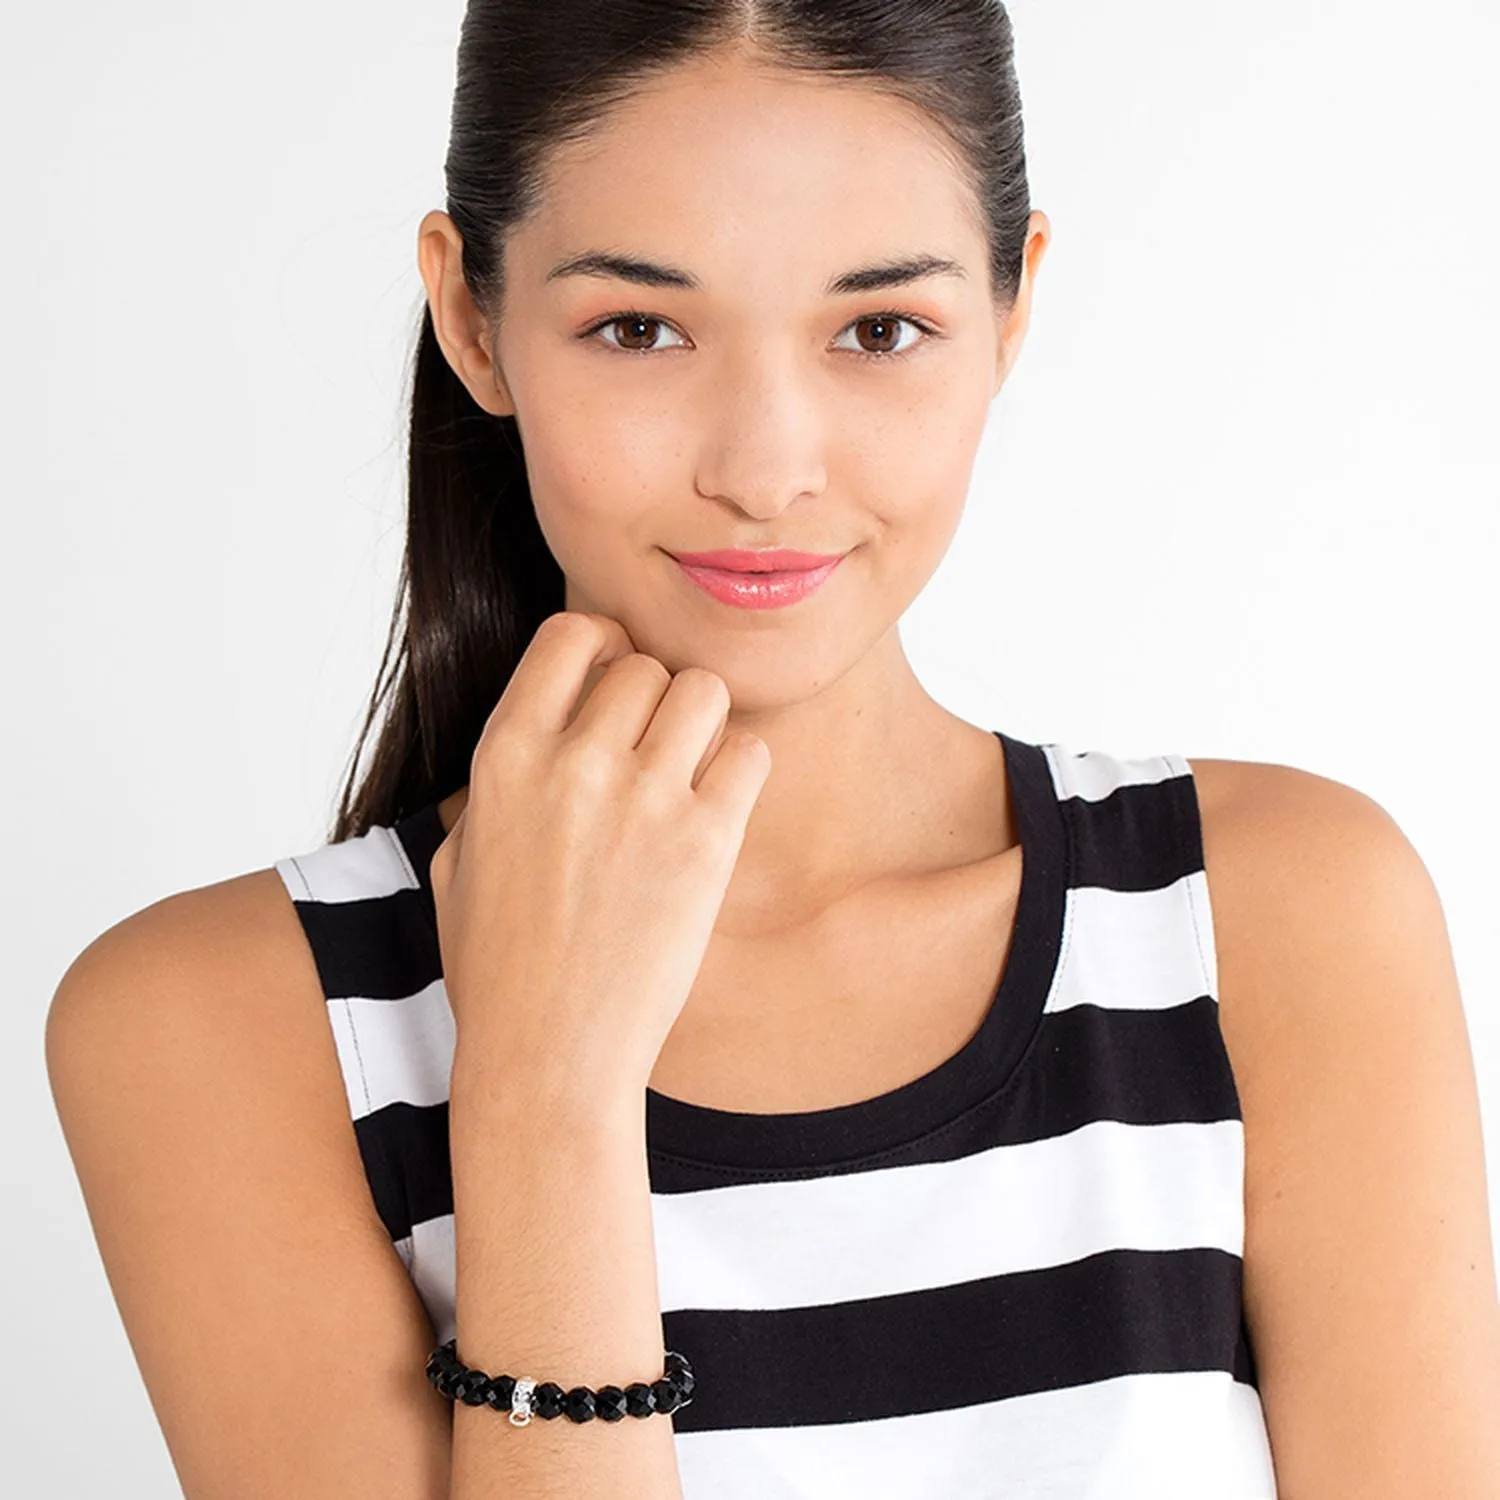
x=587, y=762
x=657, y=791
x=702, y=680
x=717, y=839
x=563, y=632
x=585, y=627
x=565, y=622
x=639, y=662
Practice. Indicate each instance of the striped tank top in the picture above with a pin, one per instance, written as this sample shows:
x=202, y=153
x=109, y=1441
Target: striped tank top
x=1018, y=1275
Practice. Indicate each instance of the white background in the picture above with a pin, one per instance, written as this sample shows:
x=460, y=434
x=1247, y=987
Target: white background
x=1239, y=498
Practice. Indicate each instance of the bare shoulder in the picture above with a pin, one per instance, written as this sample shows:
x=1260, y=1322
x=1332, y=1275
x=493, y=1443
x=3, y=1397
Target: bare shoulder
x=1369, y=1268
x=246, y=921
x=197, y=1083
x=1327, y=924
x=1284, y=845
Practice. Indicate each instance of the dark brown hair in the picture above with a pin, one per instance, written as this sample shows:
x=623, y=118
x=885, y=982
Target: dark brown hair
x=477, y=577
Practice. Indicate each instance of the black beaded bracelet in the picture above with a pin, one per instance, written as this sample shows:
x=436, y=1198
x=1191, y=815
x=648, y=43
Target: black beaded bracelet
x=524, y=1398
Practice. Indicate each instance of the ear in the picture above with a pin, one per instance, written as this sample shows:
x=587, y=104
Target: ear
x=463, y=332
x=1017, y=319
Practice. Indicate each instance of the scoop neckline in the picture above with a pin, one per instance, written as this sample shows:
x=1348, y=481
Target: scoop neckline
x=845, y=1134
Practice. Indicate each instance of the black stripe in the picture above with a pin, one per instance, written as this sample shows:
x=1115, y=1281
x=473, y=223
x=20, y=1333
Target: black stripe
x=380, y=947
x=420, y=833
x=405, y=1151
x=1140, y=1067
x=1087, y=1063
x=1122, y=1312
x=1138, y=838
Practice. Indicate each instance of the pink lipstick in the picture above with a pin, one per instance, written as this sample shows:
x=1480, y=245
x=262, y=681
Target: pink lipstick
x=758, y=580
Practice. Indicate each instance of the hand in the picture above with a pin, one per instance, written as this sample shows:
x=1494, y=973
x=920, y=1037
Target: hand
x=578, y=889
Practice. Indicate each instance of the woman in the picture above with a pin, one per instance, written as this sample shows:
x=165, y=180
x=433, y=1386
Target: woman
x=742, y=1051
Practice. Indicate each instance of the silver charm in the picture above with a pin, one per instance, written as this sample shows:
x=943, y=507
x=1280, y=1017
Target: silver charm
x=520, y=1401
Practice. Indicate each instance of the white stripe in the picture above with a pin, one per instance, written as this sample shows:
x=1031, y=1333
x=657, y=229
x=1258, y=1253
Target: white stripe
x=354, y=870
x=434, y=1270
x=345, y=1042
x=395, y=1050
x=1104, y=1186
x=1093, y=775
x=1193, y=1435
x=1135, y=950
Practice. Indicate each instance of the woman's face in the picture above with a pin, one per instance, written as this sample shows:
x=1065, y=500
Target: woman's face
x=761, y=405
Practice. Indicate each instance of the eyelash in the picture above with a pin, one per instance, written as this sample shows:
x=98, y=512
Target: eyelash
x=889, y=315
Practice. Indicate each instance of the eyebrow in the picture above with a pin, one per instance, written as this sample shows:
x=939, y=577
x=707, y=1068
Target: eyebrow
x=650, y=273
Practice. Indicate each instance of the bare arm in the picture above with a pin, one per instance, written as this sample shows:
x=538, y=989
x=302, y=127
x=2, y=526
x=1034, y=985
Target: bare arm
x=1369, y=1270
x=278, y=1333
x=575, y=894
x=556, y=1279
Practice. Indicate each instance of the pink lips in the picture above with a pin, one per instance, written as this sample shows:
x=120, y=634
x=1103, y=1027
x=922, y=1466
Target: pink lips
x=758, y=580
x=741, y=560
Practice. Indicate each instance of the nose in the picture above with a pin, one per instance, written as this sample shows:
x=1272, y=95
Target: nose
x=764, y=434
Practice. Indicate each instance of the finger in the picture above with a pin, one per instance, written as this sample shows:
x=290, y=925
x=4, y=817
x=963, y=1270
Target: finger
x=690, y=716
x=543, y=690
x=735, y=776
x=620, y=706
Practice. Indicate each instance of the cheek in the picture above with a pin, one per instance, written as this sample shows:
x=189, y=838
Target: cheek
x=593, y=473
x=914, y=473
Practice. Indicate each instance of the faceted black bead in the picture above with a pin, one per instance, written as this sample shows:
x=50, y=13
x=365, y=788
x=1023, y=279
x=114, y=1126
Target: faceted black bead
x=668, y=1397
x=580, y=1404
x=609, y=1403
x=446, y=1381
x=502, y=1387
x=549, y=1400
x=640, y=1400
x=684, y=1380
x=473, y=1388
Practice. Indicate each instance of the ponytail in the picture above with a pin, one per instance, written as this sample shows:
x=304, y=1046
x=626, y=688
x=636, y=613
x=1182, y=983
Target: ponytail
x=476, y=580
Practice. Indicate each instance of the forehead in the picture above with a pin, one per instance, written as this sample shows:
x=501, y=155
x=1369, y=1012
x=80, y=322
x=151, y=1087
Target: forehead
x=724, y=160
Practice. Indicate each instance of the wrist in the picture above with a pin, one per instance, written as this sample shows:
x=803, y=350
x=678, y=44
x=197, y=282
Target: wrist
x=526, y=1091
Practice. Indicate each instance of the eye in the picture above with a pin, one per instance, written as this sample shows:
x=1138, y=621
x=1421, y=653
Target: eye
x=639, y=328
x=886, y=328
x=642, y=331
